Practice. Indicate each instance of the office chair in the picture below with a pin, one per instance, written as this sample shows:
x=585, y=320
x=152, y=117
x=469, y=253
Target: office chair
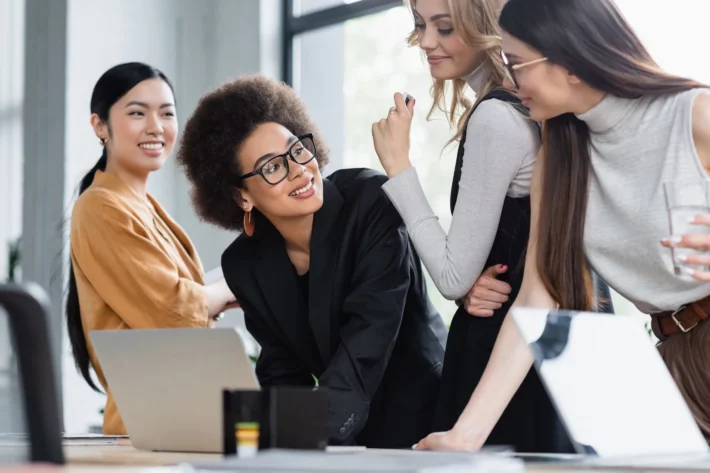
x=26, y=308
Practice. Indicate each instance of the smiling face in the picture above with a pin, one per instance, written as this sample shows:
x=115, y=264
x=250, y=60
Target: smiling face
x=141, y=128
x=300, y=190
x=449, y=57
x=547, y=89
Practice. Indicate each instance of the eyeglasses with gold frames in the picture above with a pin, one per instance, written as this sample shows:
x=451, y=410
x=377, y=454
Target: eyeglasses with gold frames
x=511, y=68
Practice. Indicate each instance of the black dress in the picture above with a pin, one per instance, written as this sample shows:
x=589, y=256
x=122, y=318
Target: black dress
x=529, y=423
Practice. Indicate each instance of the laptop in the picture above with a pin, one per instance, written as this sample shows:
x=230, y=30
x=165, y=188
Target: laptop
x=168, y=383
x=611, y=388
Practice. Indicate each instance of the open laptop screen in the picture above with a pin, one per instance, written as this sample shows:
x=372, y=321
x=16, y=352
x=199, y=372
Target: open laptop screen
x=609, y=384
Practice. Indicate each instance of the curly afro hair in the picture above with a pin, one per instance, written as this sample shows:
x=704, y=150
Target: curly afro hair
x=213, y=135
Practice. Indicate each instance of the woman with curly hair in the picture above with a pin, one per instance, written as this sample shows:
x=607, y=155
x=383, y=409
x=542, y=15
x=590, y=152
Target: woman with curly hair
x=330, y=286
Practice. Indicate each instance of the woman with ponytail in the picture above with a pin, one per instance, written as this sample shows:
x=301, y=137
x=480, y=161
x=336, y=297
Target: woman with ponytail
x=132, y=266
x=616, y=127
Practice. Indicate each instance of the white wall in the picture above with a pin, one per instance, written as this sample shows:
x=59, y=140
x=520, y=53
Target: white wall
x=198, y=44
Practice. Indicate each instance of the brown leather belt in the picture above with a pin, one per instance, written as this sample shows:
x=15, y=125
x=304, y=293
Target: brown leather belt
x=682, y=320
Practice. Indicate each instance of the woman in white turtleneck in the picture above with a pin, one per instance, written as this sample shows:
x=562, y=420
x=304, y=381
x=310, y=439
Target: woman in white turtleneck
x=481, y=257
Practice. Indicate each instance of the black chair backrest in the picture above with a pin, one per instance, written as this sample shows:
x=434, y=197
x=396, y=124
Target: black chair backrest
x=26, y=308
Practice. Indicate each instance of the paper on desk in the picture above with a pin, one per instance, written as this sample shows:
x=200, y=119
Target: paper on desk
x=693, y=461
x=490, y=465
x=369, y=461
x=344, y=449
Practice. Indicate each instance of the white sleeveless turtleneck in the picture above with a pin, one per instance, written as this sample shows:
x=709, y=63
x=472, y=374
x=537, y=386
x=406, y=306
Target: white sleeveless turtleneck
x=636, y=145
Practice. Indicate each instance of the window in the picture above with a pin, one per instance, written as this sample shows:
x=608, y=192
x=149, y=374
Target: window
x=675, y=37
x=11, y=99
x=304, y=7
x=348, y=72
x=12, y=30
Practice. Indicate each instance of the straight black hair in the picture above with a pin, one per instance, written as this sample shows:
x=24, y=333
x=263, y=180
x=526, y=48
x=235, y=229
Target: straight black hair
x=111, y=86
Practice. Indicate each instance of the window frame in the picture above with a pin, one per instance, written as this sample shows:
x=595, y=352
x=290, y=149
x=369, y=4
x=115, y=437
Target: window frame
x=295, y=25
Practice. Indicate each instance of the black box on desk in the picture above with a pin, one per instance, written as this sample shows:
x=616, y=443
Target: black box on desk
x=287, y=417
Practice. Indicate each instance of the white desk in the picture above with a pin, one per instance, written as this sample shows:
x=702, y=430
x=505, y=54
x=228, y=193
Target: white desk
x=123, y=458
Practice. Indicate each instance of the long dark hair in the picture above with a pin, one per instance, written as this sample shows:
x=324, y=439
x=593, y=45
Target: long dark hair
x=109, y=89
x=592, y=40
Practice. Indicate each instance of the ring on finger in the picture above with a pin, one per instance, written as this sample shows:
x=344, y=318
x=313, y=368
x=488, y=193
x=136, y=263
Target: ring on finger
x=392, y=110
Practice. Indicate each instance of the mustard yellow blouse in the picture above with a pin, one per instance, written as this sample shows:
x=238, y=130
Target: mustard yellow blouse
x=134, y=267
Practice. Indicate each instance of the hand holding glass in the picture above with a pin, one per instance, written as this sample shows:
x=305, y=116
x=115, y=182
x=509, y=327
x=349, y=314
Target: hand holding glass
x=688, y=207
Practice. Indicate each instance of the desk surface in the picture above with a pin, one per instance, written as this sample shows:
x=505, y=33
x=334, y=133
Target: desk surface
x=124, y=454
x=123, y=458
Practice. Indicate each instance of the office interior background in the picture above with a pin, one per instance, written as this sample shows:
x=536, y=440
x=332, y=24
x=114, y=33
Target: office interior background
x=346, y=58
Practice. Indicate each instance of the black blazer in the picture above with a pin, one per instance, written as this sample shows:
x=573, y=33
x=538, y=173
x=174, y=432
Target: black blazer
x=366, y=330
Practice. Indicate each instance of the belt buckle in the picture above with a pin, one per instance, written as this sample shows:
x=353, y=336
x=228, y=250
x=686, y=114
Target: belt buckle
x=677, y=322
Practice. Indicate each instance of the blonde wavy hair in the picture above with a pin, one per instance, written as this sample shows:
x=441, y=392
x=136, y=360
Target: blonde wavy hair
x=476, y=24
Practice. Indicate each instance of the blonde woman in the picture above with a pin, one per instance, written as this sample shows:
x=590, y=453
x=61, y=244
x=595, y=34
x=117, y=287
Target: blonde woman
x=490, y=202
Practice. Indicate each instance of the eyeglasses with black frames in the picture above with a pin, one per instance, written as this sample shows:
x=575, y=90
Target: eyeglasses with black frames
x=275, y=169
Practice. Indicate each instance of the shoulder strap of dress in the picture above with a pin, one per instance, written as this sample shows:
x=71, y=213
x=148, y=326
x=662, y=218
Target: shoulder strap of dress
x=502, y=95
x=499, y=94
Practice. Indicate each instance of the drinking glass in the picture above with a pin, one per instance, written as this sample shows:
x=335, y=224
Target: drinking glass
x=684, y=200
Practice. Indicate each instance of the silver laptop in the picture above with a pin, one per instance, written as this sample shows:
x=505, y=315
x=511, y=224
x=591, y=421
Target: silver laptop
x=168, y=383
x=610, y=386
